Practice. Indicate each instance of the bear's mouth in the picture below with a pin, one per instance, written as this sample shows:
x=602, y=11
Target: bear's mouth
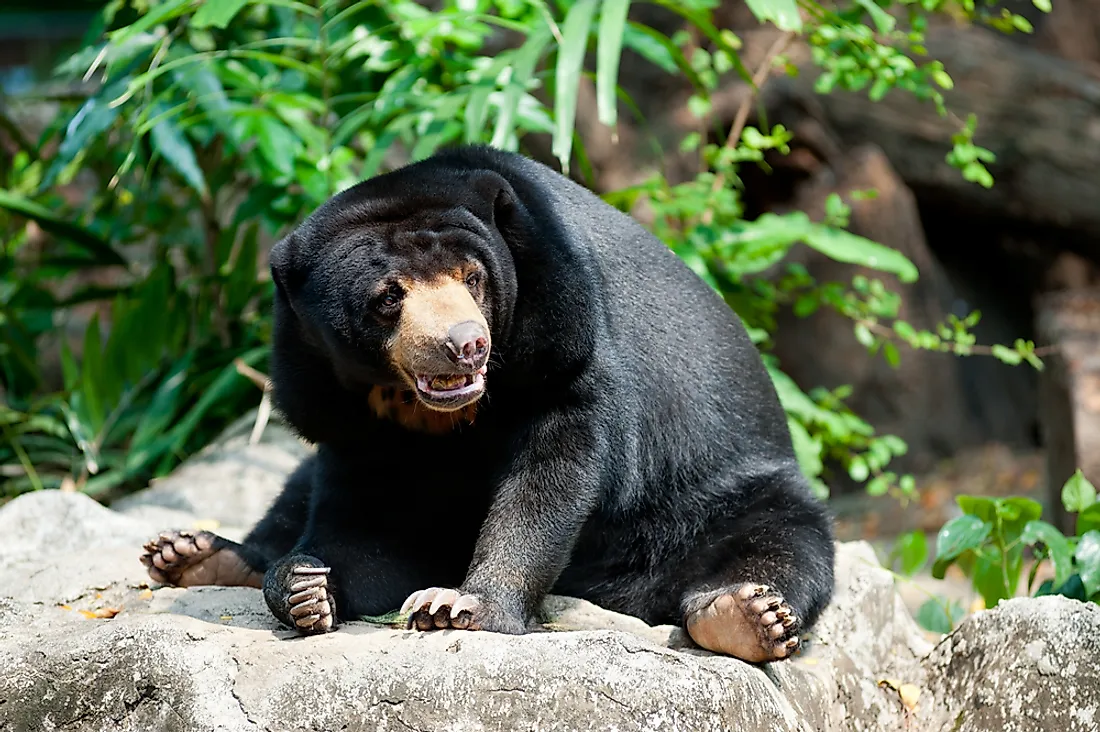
x=450, y=391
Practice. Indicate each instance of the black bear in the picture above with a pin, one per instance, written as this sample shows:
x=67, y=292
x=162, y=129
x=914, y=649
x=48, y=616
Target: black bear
x=515, y=389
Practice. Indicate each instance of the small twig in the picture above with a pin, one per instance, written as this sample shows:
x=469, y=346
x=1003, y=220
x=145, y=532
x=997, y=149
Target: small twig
x=256, y=377
x=742, y=116
x=948, y=346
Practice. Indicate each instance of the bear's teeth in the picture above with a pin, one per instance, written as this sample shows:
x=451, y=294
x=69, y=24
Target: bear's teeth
x=448, y=383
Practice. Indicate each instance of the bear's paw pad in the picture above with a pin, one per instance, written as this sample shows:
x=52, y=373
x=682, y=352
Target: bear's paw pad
x=750, y=621
x=188, y=558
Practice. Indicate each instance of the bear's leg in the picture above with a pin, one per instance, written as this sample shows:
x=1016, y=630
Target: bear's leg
x=189, y=558
x=770, y=576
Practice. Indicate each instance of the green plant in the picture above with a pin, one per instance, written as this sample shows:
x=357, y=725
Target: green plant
x=991, y=542
x=214, y=126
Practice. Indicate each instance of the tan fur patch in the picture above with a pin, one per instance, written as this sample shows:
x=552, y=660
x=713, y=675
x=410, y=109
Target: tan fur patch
x=428, y=311
x=402, y=406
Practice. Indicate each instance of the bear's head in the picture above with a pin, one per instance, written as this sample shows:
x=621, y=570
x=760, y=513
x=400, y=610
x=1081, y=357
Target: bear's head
x=403, y=284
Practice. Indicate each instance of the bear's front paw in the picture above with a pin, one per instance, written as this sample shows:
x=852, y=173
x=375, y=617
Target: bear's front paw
x=437, y=609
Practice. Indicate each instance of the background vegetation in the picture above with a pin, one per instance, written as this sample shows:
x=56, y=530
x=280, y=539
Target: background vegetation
x=214, y=126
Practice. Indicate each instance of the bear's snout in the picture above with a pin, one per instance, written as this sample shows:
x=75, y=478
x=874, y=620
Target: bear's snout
x=468, y=344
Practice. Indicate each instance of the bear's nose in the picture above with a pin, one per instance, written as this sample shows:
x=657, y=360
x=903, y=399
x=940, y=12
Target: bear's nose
x=468, y=344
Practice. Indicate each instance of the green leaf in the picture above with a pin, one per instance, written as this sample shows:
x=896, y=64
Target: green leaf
x=807, y=449
x=912, y=549
x=168, y=140
x=526, y=58
x=217, y=13
x=654, y=47
x=934, y=616
x=960, y=534
x=1043, y=5
x=567, y=75
x=92, y=374
x=158, y=14
x=223, y=384
x=1007, y=355
x=609, y=48
x=864, y=335
x=276, y=143
x=1078, y=493
x=90, y=122
x=858, y=469
x=990, y=576
x=1058, y=547
x=980, y=506
x=883, y=20
x=784, y=13
x=843, y=246
x=477, y=111
x=1089, y=519
x=158, y=415
x=49, y=222
x=1088, y=561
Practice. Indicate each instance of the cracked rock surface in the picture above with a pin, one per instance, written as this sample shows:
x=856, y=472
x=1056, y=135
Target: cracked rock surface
x=87, y=644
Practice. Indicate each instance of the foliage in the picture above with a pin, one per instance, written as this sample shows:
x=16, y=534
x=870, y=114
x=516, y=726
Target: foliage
x=211, y=127
x=989, y=543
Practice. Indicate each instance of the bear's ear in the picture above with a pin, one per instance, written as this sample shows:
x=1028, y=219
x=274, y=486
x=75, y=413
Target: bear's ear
x=498, y=197
x=285, y=269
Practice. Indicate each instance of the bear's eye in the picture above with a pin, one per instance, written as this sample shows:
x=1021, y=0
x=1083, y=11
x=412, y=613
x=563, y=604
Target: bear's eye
x=473, y=280
x=390, y=299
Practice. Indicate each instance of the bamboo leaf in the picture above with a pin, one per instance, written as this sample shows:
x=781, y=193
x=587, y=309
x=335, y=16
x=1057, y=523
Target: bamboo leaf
x=567, y=75
x=609, y=49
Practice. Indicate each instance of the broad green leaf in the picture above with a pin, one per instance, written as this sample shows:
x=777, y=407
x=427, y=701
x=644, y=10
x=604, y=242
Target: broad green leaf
x=883, y=20
x=960, y=534
x=784, y=13
x=843, y=246
x=653, y=47
x=609, y=49
x=940, y=615
x=1088, y=561
x=567, y=76
x=217, y=13
x=1058, y=547
x=980, y=506
x=169, y=140
x=807, y=449
x=991, y=577
x=1089, y=519
x=276, y=143
x=912, y=549
x=1078, y=493
x=50, y=222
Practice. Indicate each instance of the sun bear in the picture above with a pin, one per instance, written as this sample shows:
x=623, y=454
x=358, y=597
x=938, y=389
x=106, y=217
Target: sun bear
x=515, y=389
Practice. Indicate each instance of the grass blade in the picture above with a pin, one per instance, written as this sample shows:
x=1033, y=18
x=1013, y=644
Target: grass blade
x=567, y=76
x=609, y=49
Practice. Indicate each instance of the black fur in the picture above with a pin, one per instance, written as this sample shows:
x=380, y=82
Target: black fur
x=630, y=448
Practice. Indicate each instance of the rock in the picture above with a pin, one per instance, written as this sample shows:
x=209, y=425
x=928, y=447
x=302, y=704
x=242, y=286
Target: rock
x=86, y=644
x=1046, y=677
